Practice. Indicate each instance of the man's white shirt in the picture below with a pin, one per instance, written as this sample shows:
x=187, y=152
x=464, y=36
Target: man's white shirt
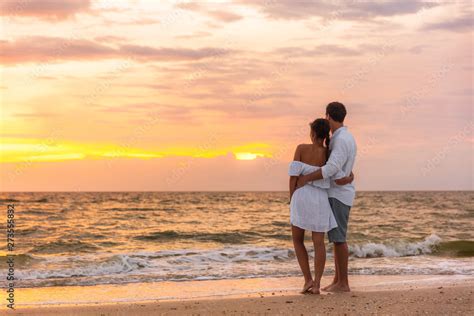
x=340, y=164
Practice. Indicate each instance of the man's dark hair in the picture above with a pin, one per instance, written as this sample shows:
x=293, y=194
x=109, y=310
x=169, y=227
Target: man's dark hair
x=337, y=111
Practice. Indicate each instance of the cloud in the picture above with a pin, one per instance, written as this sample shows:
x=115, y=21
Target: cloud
x=110, y=38
x=161, y=111
x=49, y=10
x=286, y=9
x=193, y=35
x=219, y=15
x=321, y=50
x=417, y=49
x=51, y=49
x=130, y=21
x=460, y=24
x=268, y=106
x=44, y=49
x=224, y=16
x=171, y=53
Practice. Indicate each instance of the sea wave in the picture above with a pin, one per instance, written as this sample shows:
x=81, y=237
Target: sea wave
x=126, y=209
x=225, y=237
x=400, y=249
x=20, y=259
x=457, y=248
x=233, y=237
x=64, y=246
x=431, y=245
x=9, y=201
x=236, y=261
x=117, y=264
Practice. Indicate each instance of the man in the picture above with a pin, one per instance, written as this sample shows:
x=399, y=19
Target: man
x=341, y=197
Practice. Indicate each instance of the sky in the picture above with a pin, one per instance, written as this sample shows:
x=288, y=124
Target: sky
x=210, y=96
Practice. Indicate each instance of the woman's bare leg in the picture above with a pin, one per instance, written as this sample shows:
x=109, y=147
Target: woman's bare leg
x=319, y=259
x=302, y=256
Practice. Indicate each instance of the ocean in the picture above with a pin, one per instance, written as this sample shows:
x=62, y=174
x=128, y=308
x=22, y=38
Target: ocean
x=88, y=238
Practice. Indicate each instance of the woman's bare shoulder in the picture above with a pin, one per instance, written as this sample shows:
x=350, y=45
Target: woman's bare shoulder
x=301, y=149
x=304, y=146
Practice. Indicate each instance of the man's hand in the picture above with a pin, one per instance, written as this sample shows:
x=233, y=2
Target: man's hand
x=302, y=180
x=345, y=180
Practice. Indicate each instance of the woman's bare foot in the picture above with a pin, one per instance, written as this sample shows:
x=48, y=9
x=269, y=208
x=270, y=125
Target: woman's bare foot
x=339, y=288
x=307, y=286
x=315, y=289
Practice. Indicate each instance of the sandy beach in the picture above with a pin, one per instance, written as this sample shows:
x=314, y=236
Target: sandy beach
x=382, y=295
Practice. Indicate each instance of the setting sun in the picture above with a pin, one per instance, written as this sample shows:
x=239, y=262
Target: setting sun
x=247, y=156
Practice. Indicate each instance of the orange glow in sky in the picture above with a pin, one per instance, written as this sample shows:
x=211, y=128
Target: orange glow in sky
x=182, y=95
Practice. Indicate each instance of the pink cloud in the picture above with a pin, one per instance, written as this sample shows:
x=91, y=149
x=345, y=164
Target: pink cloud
x=454, y=24
x=224, y=16
x=220, y=15
x=51, y=49
x=357, y=10
x=44, y=49
x=58, y=10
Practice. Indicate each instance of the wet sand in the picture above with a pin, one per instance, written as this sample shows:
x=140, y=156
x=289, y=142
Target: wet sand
x=394, y=295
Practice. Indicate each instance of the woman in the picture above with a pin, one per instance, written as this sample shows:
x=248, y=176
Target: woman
x=309, y=206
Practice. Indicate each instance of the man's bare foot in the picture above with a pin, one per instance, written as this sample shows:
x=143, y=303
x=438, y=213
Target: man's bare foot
x=307, y=286
x=338, y=288
x=328, y=287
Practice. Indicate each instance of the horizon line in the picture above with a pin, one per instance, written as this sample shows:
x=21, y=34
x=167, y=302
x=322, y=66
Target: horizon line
x=222, y=191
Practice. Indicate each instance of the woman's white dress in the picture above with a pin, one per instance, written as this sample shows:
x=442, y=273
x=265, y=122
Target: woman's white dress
x=309, y=206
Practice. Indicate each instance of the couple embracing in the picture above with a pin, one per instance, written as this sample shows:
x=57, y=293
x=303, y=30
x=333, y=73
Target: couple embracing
x=322, y=194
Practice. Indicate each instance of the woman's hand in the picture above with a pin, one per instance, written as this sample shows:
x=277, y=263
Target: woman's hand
x=301, y=182
x=345, y=180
